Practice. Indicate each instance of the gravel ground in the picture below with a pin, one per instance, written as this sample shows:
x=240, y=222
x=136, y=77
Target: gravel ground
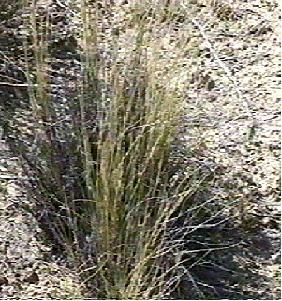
x=28, y=268
x=242, y=130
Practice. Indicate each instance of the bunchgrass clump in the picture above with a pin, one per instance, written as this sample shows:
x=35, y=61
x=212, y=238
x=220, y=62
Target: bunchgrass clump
x=106, y=176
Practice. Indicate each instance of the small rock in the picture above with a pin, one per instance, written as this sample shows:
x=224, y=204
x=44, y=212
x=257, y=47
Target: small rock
x=3, y=280
x=32, y=278
x=265, y=220
x=276, y=257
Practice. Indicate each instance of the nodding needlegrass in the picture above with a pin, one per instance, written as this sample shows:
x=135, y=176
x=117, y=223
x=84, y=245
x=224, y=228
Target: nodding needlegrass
x=128, y=124
x=132, y=203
